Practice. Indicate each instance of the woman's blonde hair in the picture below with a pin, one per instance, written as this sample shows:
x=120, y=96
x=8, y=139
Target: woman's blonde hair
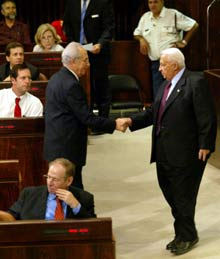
x=42, y=29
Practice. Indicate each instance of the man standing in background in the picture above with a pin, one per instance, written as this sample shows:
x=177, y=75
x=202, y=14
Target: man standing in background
x=159, y=29
x=92, y=21
x=10, y=28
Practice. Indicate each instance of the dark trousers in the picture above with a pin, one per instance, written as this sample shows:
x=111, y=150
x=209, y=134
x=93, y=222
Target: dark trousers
x=100, y=90
x=77, y=181
x=180, y=186
x=157, y=78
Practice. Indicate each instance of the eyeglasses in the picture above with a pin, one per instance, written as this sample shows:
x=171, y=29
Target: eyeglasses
x=54, y=179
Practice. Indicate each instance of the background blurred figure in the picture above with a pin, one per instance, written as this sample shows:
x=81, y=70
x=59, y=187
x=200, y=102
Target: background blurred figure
x=159, y=29
x=58, y=25
x=15, y=55
x=10, y=28
x=16, y=101
x=47, y=39
x=97, y=27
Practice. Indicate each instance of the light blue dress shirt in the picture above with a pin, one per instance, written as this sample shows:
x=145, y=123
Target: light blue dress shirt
x=51, y=206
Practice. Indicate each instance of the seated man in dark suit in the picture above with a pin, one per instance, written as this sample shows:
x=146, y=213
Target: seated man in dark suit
x=14, y=52
x=44, y=202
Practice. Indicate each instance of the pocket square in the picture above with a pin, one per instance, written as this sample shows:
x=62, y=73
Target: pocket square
x=95, y=15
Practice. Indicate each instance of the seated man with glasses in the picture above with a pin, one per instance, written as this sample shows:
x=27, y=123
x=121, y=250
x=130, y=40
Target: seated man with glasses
x=57, y=200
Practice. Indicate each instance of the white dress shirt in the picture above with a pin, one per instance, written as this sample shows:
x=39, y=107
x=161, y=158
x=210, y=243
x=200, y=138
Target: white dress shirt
x=30, y=105
x=162, y=32
x=56, y=47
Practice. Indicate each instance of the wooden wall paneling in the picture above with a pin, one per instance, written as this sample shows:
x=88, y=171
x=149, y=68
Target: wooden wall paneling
x=10, y=182
x=22, y=139
x=213, y=78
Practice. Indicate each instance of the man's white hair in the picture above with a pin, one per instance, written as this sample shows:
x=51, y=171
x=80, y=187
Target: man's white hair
x=175, y=55
x=71, y=52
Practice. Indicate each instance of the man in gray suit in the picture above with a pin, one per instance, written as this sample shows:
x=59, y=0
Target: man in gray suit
x=40, y=202
x=183, y=137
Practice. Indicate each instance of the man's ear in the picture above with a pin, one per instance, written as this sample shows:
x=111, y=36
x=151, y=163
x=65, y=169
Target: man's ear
x=70, y=180
x=7, y=58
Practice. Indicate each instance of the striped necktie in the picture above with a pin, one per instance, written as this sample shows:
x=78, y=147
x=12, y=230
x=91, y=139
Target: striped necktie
x=83, y=12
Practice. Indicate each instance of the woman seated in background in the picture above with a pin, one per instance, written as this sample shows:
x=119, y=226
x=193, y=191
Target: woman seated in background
x=47, y=39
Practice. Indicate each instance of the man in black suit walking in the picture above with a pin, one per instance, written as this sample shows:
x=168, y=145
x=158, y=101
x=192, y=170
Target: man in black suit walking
x=67, y=114
x=97, y=28
x=183, y=137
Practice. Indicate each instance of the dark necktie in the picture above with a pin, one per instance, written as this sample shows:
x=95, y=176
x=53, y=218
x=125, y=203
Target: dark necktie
x=83, y=12
x=17, y=110
x=59, y=214
x=162, y=106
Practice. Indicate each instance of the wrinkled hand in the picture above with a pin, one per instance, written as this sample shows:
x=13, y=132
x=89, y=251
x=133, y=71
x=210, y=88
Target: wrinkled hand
x=96, y=49
x=123, y=123
x=68, y=197
x=203, y=154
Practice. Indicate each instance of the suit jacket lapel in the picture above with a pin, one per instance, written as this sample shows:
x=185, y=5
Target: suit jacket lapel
x=89, y=8
x=177, y=90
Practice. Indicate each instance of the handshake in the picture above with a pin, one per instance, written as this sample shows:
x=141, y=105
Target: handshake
x=123, y=123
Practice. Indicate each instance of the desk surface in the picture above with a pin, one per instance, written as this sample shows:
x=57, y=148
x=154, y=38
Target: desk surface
x=51, y=230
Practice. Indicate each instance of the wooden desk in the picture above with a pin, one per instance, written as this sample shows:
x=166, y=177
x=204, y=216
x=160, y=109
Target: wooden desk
x=38, y=88
x=47, y=62
x=213, y=78
x=10, y=182
x=67, y=239
x=21, y=139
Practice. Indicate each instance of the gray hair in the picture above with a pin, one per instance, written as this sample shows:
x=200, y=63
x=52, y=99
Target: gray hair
x=70, y=52
x=174, y=55
x=68, y=165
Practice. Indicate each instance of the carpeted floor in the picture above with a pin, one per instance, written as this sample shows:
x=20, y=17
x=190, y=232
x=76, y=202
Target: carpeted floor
x=118, y=173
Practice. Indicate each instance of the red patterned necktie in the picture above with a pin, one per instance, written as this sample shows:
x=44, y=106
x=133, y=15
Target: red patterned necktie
x=162, y=106
x=59, y=214
x=17, y=110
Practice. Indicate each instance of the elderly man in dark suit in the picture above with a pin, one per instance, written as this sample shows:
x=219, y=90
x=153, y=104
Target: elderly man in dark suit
x=97, y=27
x=183, y=137
x=41, y=202
x=67, y=114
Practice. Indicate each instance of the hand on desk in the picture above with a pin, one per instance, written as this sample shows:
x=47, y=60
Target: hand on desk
x=123, y=123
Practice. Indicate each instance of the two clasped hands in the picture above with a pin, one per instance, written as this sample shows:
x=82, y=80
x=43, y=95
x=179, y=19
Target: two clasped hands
x=123, y=123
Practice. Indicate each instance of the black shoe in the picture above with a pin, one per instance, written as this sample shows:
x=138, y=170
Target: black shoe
x=171, y=245
x=182, y=247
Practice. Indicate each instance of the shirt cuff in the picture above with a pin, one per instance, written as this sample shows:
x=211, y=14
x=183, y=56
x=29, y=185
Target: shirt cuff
x=76, y=209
